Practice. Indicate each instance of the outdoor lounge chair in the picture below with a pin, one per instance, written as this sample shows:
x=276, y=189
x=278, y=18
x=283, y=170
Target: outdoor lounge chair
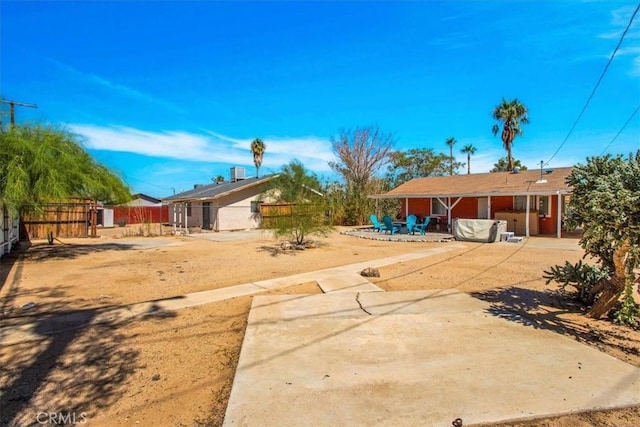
x=413, y=225
x=389, y=225
x=376, y=224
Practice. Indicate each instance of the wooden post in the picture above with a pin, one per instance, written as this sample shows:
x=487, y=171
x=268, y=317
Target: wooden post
x=526, y=220
x=94, y=219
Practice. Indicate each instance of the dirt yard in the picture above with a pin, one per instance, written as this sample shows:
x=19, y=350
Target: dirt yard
x=176, y=368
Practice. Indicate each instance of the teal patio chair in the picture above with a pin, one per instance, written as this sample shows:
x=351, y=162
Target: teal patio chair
x=389, y=225
x=376, y=224
x=411, y=223
x=422, y=228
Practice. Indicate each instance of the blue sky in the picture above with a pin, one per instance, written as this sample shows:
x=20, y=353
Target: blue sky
x=170, y=94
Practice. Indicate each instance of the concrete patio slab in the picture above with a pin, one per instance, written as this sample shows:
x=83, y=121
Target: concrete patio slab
x=411, y=358
x=344, y=281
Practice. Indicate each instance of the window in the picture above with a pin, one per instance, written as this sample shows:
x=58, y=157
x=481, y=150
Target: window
x=255, y=206
x=188, y=209
x=520, y=203
x=544, y=206
x=437, y=208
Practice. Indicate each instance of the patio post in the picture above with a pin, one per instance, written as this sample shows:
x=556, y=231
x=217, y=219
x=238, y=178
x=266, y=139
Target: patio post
x=186, y=228
x=449, y=214
x=559, y=221
x=488, y=207
x=173, y=206
x=526, y=218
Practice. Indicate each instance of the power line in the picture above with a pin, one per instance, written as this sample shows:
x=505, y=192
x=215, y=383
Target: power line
x=623, y=126
x=597, y=84
x=12, y=108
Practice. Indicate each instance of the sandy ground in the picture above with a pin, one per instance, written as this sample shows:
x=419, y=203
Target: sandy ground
x=176, y=368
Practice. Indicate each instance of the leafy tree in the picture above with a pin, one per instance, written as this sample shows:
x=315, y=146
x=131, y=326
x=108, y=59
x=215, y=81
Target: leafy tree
x=468, y=149
x=605, y=202
x=306, y=214
x=361, y=154
x=450, y=143
x=503, y=165
x=512, y=114
x=41, y=164
x=417, y=163
x=258, y=147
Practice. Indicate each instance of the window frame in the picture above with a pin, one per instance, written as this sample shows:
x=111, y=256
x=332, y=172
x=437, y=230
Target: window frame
x=532, y=203
x=547, y=211
x=435, y=202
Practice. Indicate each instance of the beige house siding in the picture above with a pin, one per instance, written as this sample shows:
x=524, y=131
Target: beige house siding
x=230, y=211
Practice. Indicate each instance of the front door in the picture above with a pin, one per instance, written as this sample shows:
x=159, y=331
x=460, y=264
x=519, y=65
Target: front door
x=483, y=208
x=206, y=216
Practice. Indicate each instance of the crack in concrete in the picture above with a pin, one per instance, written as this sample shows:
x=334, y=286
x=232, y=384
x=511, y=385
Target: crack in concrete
x=360, y=304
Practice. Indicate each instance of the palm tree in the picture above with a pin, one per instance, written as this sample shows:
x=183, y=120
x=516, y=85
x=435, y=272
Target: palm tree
x=511, y=114
x=501, y=165
x=468, y=150
x=450, y=143
x=258, y=148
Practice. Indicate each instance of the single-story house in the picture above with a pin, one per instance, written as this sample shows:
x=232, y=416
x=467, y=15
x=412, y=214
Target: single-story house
x=141, y=208
x=532, y=201
x=10, y=230
x=221, y=206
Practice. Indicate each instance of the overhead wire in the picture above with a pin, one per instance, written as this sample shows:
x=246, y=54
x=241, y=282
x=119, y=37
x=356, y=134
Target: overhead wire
x=624, y=33
x=620, y=131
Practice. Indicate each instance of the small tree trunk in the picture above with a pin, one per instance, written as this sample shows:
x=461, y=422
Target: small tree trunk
x=613, y=289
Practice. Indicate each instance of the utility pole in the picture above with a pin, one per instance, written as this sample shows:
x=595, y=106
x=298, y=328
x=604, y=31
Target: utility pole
x=12, y=109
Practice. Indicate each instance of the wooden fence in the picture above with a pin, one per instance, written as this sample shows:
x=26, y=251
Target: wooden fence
x=273, y=214
x=61, y=219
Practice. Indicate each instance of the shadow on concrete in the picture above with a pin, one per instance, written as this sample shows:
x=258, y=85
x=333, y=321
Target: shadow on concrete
x=551, y=311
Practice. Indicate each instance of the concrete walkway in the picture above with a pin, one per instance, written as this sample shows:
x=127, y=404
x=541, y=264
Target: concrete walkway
x=411, y=358
x=338, y=279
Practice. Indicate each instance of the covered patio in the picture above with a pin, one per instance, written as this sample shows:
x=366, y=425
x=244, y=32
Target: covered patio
x=532, y=201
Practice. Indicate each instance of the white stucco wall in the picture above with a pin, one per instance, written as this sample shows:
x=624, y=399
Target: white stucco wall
x=232, y=212
x=9, y=231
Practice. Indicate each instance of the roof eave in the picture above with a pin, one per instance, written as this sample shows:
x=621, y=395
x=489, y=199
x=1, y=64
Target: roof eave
x=551, y=192
x=217, y=196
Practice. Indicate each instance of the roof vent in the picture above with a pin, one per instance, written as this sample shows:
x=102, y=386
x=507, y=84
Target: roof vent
x=237, y=173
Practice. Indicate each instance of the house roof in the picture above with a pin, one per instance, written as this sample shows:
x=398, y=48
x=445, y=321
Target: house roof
x=145, y=197
x=484, y=184
x=216, y=190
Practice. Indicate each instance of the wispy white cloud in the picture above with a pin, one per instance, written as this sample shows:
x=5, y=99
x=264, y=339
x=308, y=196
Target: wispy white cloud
x=619, y=21
x=313, y=152
x=116, y=87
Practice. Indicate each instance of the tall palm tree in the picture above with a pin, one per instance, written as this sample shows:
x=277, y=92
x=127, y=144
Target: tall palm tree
x=512, y=114
x=258, y=148
x=450, y=142
x=468, y=150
